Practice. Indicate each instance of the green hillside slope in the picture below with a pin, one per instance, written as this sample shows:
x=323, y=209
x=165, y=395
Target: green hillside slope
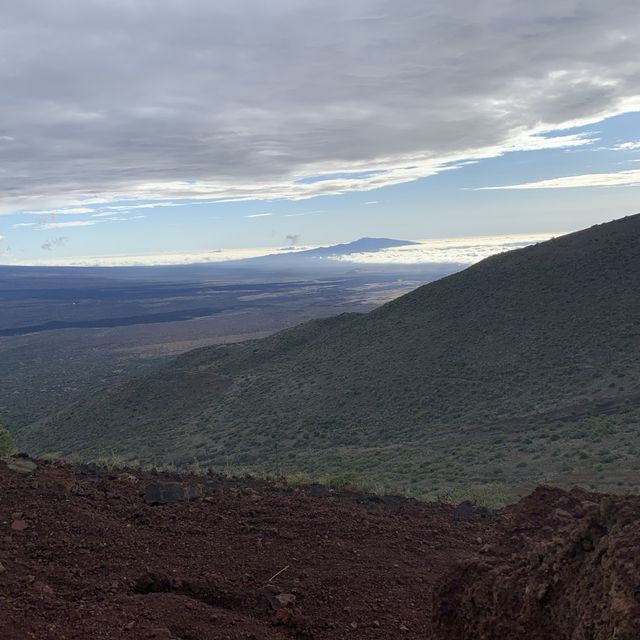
x=523, y=368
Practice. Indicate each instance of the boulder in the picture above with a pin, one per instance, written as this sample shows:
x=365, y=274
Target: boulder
x=21, y=464
x=317, y=490
x=276, y=597
x=19, y=525
x=158, y=493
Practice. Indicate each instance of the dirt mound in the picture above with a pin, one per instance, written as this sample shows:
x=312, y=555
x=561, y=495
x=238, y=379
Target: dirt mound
x=575, y=574
x=85, y=554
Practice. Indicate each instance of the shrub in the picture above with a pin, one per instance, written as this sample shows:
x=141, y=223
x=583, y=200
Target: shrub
x=492, y=496
x=51, y=456
x=7, y=445
x=298, y=479
x=109, y=463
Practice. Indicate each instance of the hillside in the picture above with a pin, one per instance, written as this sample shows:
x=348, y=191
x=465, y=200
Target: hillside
x=67, y=332
x=520, y=369
x=91, y=554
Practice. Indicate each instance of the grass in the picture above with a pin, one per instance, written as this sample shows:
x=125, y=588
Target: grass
x=110, y=463
x=492, y=496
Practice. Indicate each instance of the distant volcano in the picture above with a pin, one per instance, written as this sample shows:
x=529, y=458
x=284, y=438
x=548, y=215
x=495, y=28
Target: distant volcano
x=363, y=245
x=291, y=257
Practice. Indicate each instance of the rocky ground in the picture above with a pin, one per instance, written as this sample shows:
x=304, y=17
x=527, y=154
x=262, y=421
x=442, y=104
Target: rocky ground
x=89, y=554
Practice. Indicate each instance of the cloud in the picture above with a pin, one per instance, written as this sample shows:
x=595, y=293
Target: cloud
x=259, y=215
x=155, y=205
x=447, y=250
x=629, y=178
x=146, y=205
x=627, y=146
x=52, y=243
x=213, y=255
x=175, y=100
x=62, y=212
x=19, y=225
x=65, y=225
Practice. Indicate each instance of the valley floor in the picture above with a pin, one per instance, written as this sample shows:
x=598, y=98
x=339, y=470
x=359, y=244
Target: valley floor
x=86, y=554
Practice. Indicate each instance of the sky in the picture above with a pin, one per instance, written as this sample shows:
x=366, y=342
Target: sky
x=137, y=129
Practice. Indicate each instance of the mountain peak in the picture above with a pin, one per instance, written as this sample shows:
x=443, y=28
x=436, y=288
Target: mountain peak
x=362, y=245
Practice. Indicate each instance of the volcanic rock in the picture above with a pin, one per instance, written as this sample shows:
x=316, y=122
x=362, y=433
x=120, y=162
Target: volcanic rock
x=166, y=492
x=19, y=525
x=579, y=584
x=21, y=464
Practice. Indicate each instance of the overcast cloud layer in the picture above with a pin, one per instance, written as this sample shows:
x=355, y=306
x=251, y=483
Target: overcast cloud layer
x=114, y=99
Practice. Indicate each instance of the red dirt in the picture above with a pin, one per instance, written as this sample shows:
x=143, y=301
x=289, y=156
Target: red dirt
x=575, y=573
x=82, y=555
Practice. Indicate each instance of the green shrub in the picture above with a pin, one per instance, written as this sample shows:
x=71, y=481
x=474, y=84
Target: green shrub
x=109, y=463
x=51, y=456
x=7, y=445
x=492, y=496
x=298, y=479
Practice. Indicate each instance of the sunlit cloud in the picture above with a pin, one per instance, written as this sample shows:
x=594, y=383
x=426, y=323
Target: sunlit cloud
x=145, y=205
x=447, y=250
x=627, y=146
x=258, y=215
x=386, y=174
x=303, y=213
x=152, y=259
x=61, y=212
x=65, y=225
x=629, y=178
x=160, y=204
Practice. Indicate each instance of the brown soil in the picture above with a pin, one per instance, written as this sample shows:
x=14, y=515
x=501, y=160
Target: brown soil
x=575, y=574
x=82, y=555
